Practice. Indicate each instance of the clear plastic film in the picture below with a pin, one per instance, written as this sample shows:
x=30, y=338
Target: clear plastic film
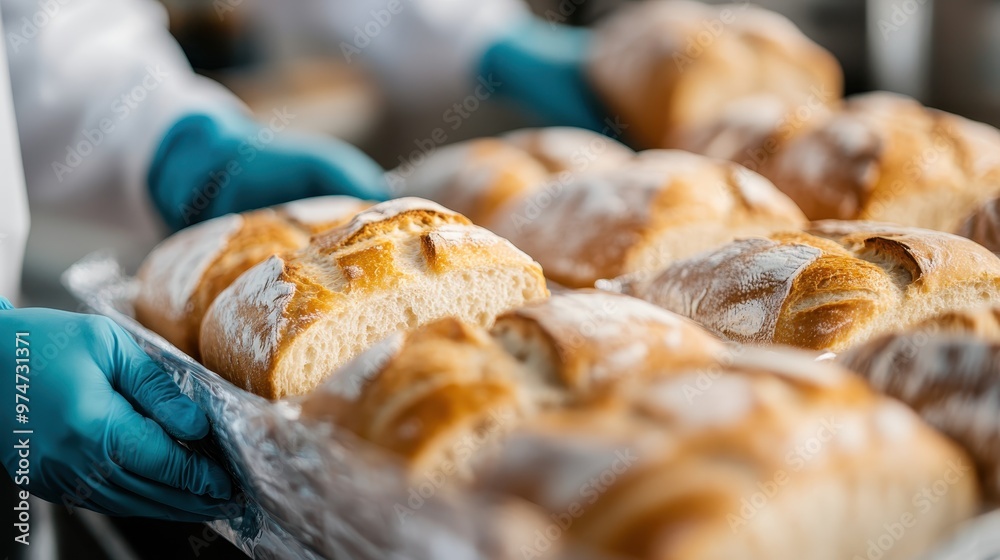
x=309, y=492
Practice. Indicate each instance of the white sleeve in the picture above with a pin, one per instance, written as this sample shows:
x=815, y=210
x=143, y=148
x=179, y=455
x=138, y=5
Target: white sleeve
x=96, y=84
x=420, y=50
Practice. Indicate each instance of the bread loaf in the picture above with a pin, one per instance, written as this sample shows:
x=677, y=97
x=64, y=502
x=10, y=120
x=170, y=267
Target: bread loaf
x=478, y=177
x=445, y=393
x=837, y=285
x=662, y=207
x=673, y=69
x=885, y=157
x=642, y=436
x=182, y=276
x=948, y=370
x=579, y=341
x=781, y=458
x=289, y=322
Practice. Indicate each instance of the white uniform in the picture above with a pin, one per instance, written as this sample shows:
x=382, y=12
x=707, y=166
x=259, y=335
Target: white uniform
x=13, y=203
x=97, y=83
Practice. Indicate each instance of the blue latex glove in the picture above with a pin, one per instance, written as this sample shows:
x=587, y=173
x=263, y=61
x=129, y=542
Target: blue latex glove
x=211, y=165
x=541, y=68
x=102, y=416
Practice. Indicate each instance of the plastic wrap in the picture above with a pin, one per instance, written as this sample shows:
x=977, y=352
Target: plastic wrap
x=309, y=493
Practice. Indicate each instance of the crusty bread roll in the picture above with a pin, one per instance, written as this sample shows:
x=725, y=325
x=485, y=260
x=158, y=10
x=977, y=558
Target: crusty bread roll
x=428, y=394
x=579, y=341
x=664, y=206
x=289, y=322
x=478, y=177
x=948, y=369
x=673, y=68
x=885, y=157
x=831, y=288
x=182, y=276
x=781, y=458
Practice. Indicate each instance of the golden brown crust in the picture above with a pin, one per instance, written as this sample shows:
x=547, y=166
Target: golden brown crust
x=449, y=382
x=673, y=69
x=637, y=219
x=885, y=157
x=478, y=178
x=396, y=260
x=658, y=461
x=586, y=339
x=830, y=288
x=661, y=472
x=176, y=288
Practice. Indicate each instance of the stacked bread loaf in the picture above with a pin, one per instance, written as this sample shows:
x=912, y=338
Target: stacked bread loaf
x=683, y=74
x=885, y=157
x=588, y=208
x=829, y=288
x=181, y=278
x=275, y=312
x=643, y=436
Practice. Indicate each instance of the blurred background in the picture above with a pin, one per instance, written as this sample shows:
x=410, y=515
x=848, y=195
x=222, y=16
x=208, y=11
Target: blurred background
x=943, y=53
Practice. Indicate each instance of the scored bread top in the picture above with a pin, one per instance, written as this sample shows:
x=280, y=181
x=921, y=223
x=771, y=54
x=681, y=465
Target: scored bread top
x=664, y=206
x=886, y=157
x=420, y=394
x=478, y=177
x=829, y=288
x=672, y=68
x=580, y=340
x=386, y=250
x=673, y=468
x=183, y=275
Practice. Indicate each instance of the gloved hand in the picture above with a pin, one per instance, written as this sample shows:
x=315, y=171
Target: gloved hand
x=102, y=415
x=541, y=67
x=210, y=165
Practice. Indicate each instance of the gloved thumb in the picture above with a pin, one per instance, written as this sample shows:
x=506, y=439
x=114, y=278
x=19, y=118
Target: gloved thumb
x=5, y=304
x=153, y=393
